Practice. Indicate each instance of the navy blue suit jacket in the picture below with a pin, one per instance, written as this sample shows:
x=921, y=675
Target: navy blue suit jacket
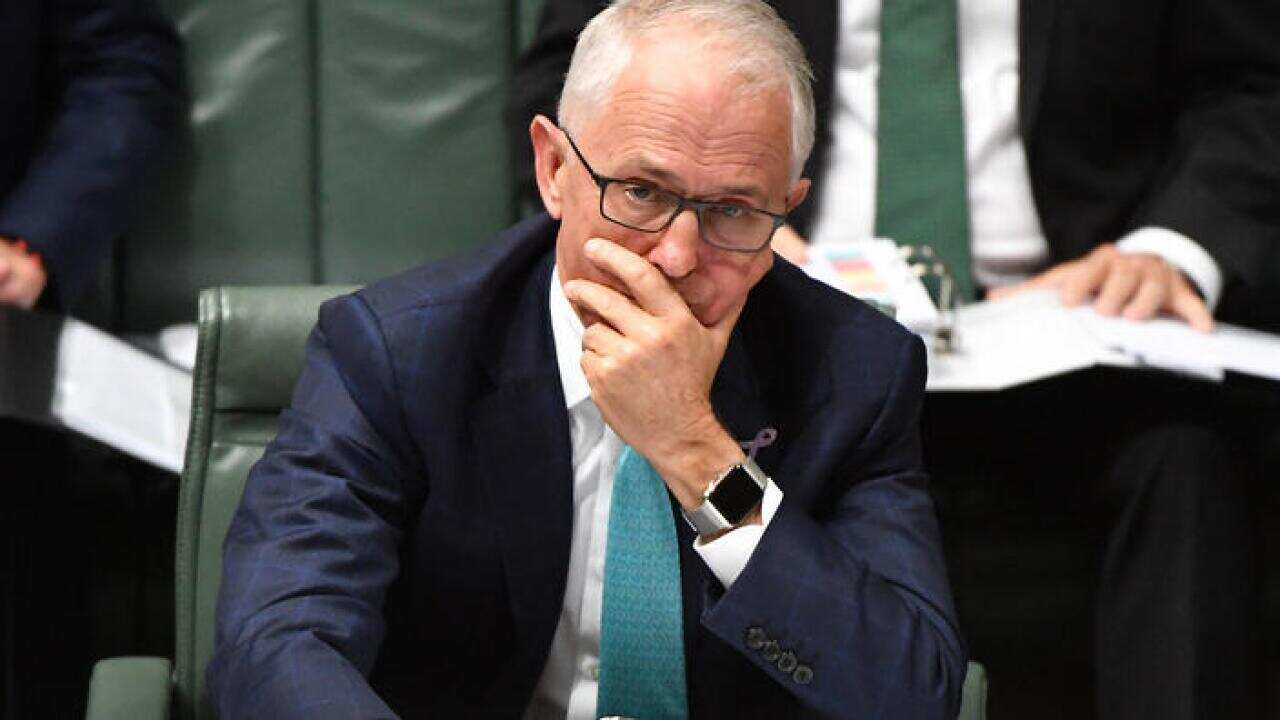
x=90, y=89
x=404, y=542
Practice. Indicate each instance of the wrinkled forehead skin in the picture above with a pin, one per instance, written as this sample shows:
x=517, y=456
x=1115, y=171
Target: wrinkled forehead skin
x=680, y=99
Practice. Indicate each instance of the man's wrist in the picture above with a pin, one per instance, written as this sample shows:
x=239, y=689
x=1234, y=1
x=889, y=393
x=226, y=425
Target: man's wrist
x=697, y=460
x=1182, y=254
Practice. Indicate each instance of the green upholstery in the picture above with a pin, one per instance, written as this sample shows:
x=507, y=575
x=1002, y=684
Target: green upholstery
x=331, y=141
x=237, y=202
x=130, y=689
x=250, y=356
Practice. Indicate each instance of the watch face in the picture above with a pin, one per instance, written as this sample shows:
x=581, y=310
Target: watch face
x=736, y=495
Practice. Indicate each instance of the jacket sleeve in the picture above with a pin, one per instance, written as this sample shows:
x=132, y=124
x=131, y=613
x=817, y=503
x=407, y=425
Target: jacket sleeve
x=1221, y=181
x=118, y=68
x=313, y=546
x=845, y=602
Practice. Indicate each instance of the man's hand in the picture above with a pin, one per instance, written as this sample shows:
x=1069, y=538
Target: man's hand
x=788, y=243
x=22, y=276
x=650, y=364
x=1135, y=286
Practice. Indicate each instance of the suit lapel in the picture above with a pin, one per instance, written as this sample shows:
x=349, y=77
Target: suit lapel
x=1035, y=25
x=523, y=451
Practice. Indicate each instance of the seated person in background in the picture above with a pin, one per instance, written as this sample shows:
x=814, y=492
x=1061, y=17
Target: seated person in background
x=92, y=90
x=1126, y=154
x=483, y=499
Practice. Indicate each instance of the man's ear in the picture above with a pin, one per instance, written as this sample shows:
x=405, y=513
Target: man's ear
x=798, y=193
x=548, y=161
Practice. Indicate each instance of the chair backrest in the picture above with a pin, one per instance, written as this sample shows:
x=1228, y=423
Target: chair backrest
x=249, y=358
x=330, y=141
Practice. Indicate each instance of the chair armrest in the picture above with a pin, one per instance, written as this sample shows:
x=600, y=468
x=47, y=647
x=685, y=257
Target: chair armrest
x=973, y=703
x=130, y=688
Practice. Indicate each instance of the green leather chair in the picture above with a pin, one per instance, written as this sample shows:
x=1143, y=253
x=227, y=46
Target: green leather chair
x=330, y=141
x=250, y=355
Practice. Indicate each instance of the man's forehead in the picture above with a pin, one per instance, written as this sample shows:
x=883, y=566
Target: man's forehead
x=652, y=118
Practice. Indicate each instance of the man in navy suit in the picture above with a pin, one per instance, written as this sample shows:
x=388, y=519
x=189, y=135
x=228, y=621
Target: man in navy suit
x=1128, y=154
x=437, y=529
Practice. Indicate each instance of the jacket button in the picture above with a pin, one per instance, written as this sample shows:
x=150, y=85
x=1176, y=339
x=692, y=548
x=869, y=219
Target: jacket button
x=787, y=661
x=771, y=651
x=803, y=675
x=756, y=638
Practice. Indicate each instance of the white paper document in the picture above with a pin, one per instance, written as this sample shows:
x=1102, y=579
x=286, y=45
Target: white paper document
x=121, y=396
x=60, y=371
x=1032, y=336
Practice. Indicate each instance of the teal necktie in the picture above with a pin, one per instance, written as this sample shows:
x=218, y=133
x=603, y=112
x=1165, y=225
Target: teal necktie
x=920, y=175
x=642, y=622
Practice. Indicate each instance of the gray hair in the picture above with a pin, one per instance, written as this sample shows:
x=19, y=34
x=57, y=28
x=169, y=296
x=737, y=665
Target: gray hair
x=767, y=54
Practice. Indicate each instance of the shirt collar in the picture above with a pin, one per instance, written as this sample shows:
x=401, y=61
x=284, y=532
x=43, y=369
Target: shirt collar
x=566, y=330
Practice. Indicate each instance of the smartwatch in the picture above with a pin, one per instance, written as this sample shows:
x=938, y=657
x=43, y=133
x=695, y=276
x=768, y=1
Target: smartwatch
x=729, y=498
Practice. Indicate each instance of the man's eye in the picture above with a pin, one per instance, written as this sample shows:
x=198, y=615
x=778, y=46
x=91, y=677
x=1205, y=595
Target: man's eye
x=641, y=193
x=729, y=210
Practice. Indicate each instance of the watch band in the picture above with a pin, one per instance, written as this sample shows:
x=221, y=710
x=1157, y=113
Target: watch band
x=707, y=518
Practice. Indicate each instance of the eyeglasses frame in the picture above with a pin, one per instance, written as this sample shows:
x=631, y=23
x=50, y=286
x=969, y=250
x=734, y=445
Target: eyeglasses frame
x=682, y=203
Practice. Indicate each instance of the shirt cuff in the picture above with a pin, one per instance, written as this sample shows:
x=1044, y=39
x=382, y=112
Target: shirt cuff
x=1182, y=253
x=728, y=554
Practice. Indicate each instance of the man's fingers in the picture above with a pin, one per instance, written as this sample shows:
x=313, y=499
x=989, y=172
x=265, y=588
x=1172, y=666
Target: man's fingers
x=788, y=243
x=1081, y=278
x=1186, y=304
x=645, y=282
x=1121, y=282
x=1008, y=291
x=612, y=306
x=1046, y=279
x=601, y=339
x=1148, y=300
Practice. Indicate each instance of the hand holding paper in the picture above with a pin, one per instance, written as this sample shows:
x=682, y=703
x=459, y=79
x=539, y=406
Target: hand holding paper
x=1135, y=286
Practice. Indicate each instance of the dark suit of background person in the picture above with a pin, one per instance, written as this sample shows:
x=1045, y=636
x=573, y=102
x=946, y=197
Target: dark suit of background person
x=90, y=90
x=1154, y=113
x=411, y=522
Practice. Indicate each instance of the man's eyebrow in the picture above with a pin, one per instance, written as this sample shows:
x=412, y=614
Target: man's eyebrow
x=669, y=179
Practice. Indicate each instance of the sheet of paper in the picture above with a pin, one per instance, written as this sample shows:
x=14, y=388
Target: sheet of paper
x=1173, y=345
x=121, y=396
x=1159, y=343
x=1015, y=341
x=61, y=372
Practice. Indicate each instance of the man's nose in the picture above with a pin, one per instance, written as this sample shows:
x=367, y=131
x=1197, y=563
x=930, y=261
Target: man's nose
x=676, y=253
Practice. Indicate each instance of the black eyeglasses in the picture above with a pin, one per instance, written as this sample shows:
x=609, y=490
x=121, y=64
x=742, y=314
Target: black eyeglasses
x=640, y=206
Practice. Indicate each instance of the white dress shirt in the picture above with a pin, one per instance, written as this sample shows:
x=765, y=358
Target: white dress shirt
x=1006, y=240
x=570, y=679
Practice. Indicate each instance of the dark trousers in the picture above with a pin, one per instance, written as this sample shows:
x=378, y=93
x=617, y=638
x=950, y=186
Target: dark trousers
x=86, y=558
x=46, y=642
x=1154, y=476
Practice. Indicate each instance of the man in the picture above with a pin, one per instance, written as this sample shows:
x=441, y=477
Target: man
x=481, y=500
x=91, y=90
x=1124, y=154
